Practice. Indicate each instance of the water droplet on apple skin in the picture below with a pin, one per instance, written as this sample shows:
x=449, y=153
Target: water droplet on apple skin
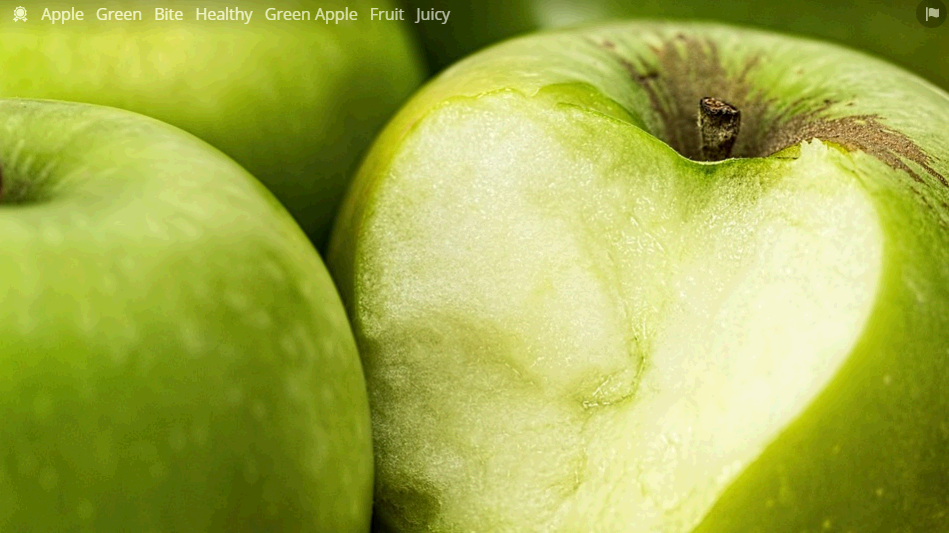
x=49, y=478
x=85, y=510
x=297, y=389
x=259, y=319
x=259, y=411
x=200, y=434
x=191, y=336
x=155, y=228
x=177, y=439
x=250, y=471
x=235, y=395
x=43, y=406
x=52, y=235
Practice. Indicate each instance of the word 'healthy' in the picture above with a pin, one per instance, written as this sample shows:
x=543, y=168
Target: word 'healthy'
x=235, y=14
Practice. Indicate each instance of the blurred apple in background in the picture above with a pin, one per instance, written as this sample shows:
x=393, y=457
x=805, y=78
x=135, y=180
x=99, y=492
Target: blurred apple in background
x=888, y=29
x=294, y=102
x=578, y=310
x=174, y=354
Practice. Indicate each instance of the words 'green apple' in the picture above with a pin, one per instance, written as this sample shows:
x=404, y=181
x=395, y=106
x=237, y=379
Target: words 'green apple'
x=569, y=323
x=295, y=102
x=174, y=356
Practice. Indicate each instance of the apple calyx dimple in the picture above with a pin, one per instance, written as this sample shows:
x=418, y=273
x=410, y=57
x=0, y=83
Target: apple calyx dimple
x=719, y=123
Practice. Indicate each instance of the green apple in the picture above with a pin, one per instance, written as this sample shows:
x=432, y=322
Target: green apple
x=570, y=320
x=295, y=102
x=174, y=354
x=888, y=29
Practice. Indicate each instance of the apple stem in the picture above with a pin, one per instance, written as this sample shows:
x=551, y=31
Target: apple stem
x=719, y=122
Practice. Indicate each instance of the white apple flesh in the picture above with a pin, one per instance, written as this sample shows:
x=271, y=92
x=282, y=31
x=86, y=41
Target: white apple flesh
x=568, y=326
x=173, y=354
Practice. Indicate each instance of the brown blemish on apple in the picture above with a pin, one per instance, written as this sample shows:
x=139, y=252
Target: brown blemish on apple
x=685, y=69
x=866, y=133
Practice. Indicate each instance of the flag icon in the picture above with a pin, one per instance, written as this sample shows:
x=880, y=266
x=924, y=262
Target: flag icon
x=931, y=13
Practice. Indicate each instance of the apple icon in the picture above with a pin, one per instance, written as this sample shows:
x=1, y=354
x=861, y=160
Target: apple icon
x=656, y=277
x=296, y=102
x=174, y=354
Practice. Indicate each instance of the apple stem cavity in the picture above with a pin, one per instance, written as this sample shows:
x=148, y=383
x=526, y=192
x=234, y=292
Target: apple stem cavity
x=719, y=122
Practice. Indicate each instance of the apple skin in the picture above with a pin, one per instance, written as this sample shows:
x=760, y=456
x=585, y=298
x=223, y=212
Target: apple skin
x=296, y=103
x=433, y=253
x=886, y=29
x=175, y=356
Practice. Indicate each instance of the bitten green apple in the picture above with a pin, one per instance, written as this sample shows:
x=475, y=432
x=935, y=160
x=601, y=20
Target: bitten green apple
x=295, y=102
x=887, y=29
x=174, y=354
x=657, y=278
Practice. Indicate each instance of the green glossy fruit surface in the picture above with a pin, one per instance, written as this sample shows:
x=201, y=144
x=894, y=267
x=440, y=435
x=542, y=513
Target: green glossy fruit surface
x=568, y=323
x=174, y=354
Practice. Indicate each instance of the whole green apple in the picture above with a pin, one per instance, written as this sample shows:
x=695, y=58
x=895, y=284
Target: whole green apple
x=174, y=354
x=295, y=102
x=657, y=278
x=888, y=29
